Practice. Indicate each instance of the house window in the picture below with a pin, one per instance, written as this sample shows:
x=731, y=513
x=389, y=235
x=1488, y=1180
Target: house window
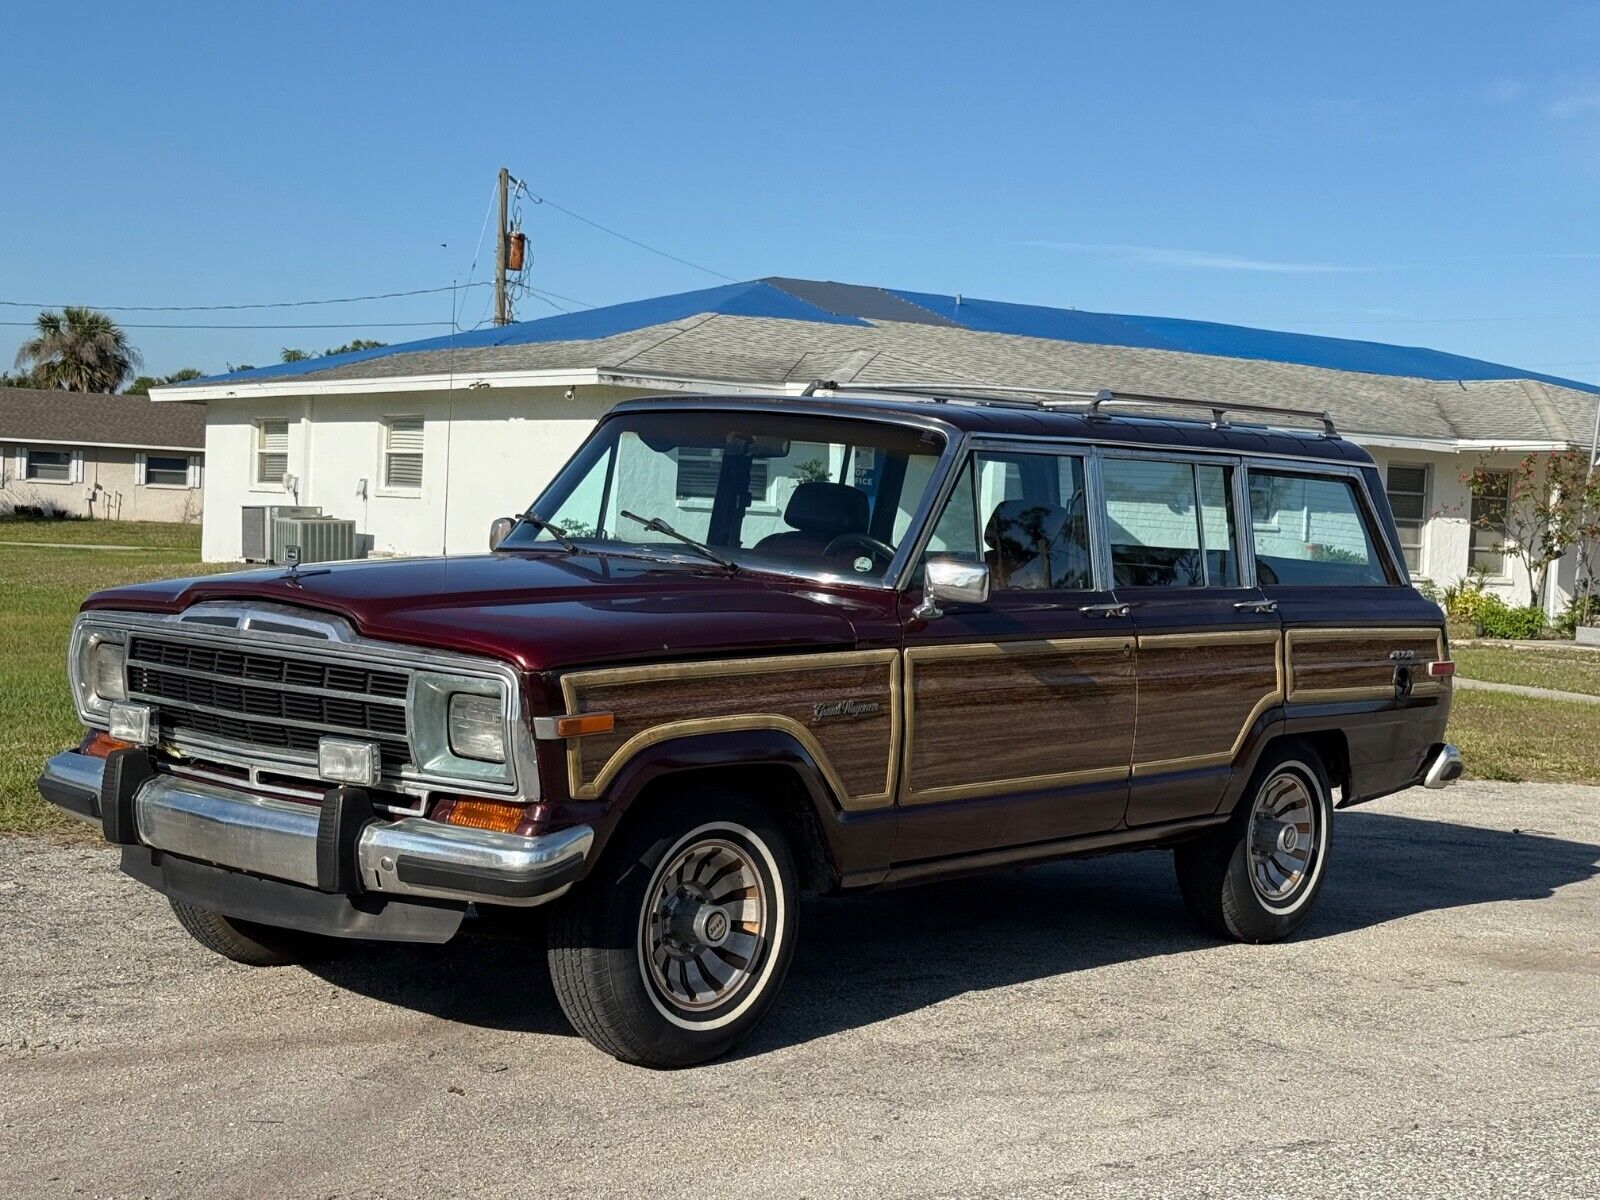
x=272, y=451
x=700, y=468
x=1491, y=504
x=166, y=470
x=402, y=453
x=1408, y=496
x=49, y=466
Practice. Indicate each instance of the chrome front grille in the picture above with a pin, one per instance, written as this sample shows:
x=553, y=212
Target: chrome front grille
x=268, y=700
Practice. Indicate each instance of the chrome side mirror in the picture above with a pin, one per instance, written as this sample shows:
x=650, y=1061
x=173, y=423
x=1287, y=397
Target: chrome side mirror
x=953, y=581
x=499, y=530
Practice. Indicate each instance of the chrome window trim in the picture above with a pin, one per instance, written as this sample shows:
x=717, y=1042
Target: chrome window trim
x=342, y=646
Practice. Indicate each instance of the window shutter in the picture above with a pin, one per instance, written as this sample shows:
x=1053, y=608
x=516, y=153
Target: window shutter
x=194, y=470
x=140, y=478
x=403, y=458
x=272, y=457
x=77, y=466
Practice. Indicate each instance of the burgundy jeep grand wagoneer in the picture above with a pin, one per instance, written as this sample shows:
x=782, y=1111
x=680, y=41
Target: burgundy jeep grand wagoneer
x=742, y=647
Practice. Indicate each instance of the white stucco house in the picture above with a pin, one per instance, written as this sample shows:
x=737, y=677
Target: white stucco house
x=422, y=445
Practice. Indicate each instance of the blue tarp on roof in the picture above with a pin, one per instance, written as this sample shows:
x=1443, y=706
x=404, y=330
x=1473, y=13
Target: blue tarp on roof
x=850, y=304
x=754, y=299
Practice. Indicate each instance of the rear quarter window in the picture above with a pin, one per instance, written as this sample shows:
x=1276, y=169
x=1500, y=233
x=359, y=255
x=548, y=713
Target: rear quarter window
x=1311, y=530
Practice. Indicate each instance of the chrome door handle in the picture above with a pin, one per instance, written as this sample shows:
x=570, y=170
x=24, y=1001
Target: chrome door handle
x=1105, y=610
x=1257, y=606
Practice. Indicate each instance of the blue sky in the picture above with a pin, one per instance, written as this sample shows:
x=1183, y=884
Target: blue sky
x=1414, y=173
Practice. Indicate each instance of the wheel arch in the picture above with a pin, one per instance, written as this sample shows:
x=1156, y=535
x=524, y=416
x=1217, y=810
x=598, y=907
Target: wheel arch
x=770, y=765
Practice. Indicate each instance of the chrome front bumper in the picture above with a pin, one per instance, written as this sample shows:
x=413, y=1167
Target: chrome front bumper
x=277, y=839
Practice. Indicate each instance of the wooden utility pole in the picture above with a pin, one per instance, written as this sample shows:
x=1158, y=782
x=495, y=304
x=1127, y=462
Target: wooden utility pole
x=502, y=307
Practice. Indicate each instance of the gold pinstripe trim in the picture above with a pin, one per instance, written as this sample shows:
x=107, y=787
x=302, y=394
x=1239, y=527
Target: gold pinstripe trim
x=572, y=686
x=978, y=651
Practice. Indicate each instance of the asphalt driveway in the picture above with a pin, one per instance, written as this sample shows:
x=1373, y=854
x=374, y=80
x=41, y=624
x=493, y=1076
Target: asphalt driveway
x=1434, y=1030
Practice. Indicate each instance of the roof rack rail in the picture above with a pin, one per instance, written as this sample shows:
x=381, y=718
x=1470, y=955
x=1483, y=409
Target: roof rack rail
x=1095, y=402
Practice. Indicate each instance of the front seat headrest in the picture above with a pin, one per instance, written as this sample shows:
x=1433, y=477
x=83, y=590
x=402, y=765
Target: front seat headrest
x=827, y=509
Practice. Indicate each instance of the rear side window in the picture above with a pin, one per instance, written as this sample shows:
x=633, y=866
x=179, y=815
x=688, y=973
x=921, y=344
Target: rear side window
x=1309, y=530
x=1171, y=524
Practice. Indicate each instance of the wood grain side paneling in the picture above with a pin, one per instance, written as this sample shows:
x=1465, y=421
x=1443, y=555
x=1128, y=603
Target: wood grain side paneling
x=856, y=745
x=1200, y=693
x=994, y=717
x=1355, y=664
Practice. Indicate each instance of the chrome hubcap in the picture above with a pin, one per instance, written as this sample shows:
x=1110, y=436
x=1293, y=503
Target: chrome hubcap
x=1283, y=836
x=705, y=924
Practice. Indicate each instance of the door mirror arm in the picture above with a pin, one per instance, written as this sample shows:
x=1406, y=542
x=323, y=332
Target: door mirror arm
x=951, y=581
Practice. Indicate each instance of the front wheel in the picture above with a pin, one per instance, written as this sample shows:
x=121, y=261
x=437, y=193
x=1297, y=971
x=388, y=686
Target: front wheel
x=1255, y=879
x=675, y=947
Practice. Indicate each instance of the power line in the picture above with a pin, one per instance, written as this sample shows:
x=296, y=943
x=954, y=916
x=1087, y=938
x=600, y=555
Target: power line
x=237, y=307
x=343, y=325
x=537, y=199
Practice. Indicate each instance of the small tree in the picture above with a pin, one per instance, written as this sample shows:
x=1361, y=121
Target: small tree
x=1552, y=503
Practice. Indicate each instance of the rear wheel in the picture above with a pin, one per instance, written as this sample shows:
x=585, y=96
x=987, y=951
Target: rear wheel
x=247, y=942
x=1255, y=879
x=675, y=948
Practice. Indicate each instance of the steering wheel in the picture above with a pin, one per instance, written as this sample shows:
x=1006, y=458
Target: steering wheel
x=860, y=541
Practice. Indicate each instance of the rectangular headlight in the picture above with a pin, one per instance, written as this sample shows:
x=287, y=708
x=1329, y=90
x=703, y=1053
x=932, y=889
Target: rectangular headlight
x=106, y=663
x=460, y=727
x=96, y=665
x=477, y=728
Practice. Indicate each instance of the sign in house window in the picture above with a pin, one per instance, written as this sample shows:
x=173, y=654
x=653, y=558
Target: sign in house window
x=1408, y=495
x=1491, y=503
x=402, y=453
x=49, y=466
x=272, y=451
x=166, y=470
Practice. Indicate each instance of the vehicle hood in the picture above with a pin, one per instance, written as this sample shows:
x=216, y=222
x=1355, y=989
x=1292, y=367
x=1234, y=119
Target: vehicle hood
x=541, y=610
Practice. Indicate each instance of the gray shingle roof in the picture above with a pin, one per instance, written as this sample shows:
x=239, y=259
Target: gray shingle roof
x=763, y=350
x=93, y=418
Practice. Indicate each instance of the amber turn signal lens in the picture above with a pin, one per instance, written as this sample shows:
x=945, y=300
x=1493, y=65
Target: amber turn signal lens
x=485, y=814
x=101, y=744
x=585, y=723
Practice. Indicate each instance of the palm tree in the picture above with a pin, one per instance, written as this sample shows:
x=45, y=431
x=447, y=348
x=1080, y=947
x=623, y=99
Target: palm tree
x=79, y=350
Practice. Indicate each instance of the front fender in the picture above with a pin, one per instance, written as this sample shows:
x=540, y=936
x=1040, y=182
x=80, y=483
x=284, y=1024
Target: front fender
x=857, y=844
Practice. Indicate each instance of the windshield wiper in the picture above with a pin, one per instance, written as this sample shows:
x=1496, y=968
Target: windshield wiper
x=554, y=530
x=657, y=525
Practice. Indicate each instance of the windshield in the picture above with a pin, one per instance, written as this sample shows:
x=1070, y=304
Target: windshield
x=806, y=494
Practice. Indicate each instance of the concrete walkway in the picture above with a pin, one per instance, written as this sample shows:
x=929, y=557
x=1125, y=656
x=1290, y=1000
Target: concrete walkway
x=1517, y=689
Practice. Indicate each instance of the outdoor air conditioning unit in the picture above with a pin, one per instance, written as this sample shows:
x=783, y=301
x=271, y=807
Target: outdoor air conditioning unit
x=256, y=540
x=321, y=539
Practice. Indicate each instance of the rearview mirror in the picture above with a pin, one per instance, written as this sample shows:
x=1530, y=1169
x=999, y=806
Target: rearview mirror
x=499, y=530
x=953, y=581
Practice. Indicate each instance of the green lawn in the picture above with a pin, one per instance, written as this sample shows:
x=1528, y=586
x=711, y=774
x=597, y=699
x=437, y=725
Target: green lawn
x=150, y=535
x=1520, y=738
x=40, y=590
x=1565, y=670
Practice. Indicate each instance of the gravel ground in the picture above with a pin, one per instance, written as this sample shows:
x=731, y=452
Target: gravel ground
x=1434, y=1030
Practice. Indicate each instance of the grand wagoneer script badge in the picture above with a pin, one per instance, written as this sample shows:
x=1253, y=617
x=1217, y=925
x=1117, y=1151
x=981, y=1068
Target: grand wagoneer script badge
x=830, y=709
